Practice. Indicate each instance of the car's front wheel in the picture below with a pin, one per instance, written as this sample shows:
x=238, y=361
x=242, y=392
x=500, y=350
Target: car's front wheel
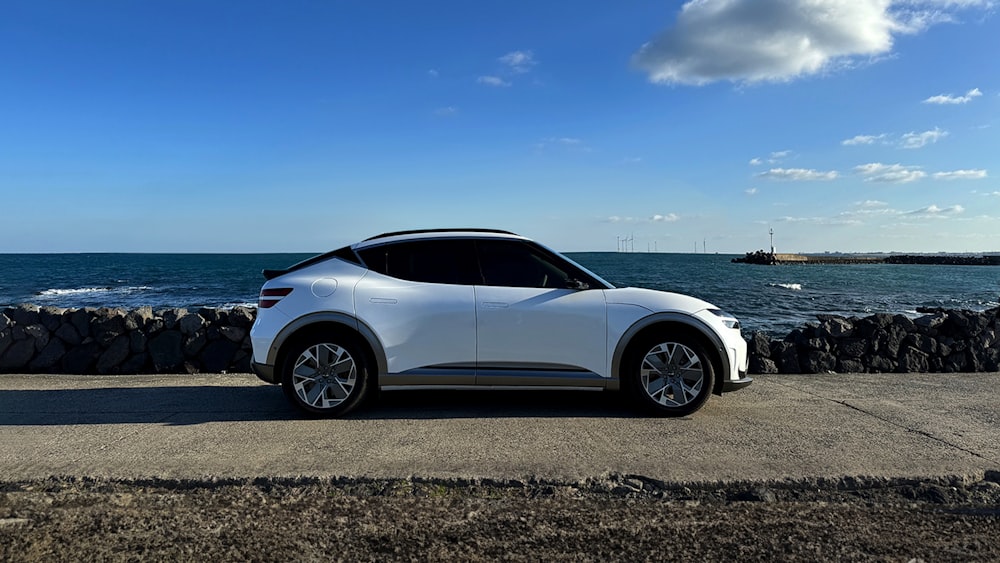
x=670, y=374
x=325, y=375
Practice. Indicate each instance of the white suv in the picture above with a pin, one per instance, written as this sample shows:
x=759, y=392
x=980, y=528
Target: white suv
x=476, y=308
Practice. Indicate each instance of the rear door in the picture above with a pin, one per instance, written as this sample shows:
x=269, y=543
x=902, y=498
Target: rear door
x=419, y=299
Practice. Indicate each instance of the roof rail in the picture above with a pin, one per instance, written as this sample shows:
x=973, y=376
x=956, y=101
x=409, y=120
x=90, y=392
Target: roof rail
x=423, y=231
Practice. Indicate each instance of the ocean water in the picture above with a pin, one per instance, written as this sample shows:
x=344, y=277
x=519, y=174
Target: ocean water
x=774, y=299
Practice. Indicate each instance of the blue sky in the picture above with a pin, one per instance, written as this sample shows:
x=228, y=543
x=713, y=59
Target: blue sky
x=305, y=125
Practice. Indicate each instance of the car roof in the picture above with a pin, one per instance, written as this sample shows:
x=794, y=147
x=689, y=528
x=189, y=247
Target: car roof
x=424, y=234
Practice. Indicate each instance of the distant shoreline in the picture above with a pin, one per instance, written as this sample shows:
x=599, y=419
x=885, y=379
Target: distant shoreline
x=774, y=259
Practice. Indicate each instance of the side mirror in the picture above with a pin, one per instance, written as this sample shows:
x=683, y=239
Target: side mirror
x=574, y=283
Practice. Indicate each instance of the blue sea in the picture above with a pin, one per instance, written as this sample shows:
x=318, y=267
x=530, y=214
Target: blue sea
x=774, y=299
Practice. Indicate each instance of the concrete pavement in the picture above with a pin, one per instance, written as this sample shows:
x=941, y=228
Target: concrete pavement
x=782, y=426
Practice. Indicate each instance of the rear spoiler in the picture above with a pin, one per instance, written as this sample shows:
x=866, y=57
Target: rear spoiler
x=346, y=254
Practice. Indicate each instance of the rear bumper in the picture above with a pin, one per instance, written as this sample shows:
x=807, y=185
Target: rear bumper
x=736, y=384
x=264, y=372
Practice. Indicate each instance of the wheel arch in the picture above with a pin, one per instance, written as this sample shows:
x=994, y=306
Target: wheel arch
x=330, y=322
x=660, y=322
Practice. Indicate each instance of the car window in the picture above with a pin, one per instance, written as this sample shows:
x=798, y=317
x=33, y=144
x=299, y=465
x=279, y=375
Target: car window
x=451, y=261
x=518, y=264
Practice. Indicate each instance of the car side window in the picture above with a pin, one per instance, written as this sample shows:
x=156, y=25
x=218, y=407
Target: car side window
x=449, y=261
x=517, y=264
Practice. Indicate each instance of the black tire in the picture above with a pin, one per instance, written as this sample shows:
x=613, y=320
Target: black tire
x=325, y=375
x=668, y=374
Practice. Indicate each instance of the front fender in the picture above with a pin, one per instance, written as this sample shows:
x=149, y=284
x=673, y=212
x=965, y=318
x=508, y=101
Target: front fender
x=672, y=318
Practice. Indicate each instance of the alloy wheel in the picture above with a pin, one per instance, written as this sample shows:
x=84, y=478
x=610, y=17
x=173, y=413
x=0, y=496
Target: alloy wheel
x=324, y=375
x=672, y=374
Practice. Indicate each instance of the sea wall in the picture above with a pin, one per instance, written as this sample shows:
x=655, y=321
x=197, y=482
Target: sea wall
x=117, y=341
x=940, y=340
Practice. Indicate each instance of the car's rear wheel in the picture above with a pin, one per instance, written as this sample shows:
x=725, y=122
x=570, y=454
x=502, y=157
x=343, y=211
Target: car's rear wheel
x=325, y=375
x=670, y=374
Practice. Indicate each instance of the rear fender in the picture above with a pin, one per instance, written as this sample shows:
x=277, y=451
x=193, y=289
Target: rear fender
x=314, y=320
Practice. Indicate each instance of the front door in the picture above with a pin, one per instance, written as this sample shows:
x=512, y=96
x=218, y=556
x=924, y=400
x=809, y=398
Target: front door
x=532, y=330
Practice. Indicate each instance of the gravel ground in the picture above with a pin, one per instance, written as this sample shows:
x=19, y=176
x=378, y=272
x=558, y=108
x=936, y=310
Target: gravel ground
x=616, y=517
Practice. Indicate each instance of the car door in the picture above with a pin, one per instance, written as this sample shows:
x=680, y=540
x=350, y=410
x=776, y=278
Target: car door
x=532, y=330
x=419, y=299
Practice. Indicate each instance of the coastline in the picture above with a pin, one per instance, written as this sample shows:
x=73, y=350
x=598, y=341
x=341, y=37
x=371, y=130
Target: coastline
x=772, y=258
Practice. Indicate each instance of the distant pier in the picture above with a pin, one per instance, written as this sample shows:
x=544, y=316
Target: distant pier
x=774, y=259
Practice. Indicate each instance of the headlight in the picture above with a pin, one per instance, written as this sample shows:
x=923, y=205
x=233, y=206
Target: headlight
x=727, y=319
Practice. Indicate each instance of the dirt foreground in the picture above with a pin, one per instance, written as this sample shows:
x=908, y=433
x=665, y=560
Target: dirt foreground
x=618, y=517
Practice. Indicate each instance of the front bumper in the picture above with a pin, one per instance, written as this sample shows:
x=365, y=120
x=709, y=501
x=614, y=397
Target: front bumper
x=737, y=384
x=264, y=372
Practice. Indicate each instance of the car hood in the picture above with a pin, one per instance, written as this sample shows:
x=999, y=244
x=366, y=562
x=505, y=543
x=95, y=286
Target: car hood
x=656, y=300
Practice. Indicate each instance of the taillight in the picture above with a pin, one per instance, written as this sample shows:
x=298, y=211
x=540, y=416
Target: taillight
x=270, y=297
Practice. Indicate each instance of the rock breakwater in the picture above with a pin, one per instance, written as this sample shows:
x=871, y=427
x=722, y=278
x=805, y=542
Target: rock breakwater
x=117, y=341
x=940, y=340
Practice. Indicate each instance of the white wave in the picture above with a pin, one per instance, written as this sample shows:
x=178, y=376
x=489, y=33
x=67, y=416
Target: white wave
x=791, y=286
x=55, y=293
x=246, y=304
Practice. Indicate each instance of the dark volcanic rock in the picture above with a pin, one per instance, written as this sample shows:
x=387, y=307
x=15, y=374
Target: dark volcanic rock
x=6, y=339
x=166, y=351
x=852, y=347
x=80, y=319
x=218, y=355
x=80, y=359
x=108, y=325
x=68, y=334
x=241, y=316
x=24, y=314
x=51, y=317
x=39, y=334
x=190, y=324
x=18, y=355
x=49, y=356
x=912, y=360
x=116, y=353
x=819, y=362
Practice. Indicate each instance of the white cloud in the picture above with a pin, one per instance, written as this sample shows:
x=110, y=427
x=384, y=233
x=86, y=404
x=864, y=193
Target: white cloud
x=890, y=173
x=944, y=99
x=914, y=140
x=869, y=208
x=668, y=218
x=519, y=62
x=765, y=40
x=777, y=156
x=871, y=204
x=447, y=111
x=567, y=143
x=935, y=212
x=756, y=161
x=862, y=140
x=819, y=220
x=433, y=73
x=779, y=40
x=797, y=174
x=960, y=175
x=492, y=81
x=751, y=191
